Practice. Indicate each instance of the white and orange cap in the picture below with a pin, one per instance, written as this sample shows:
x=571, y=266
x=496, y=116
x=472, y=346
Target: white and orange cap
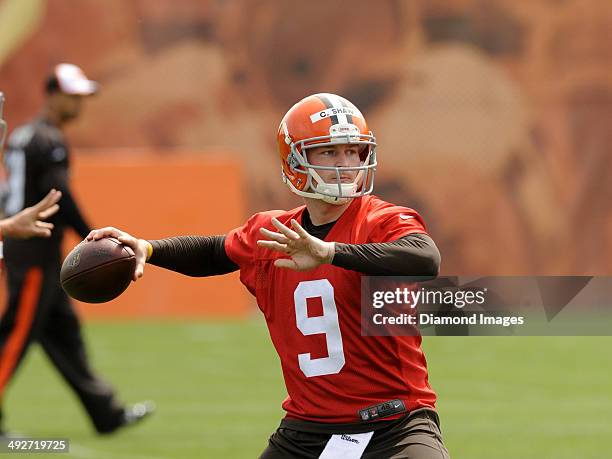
x=72, y=80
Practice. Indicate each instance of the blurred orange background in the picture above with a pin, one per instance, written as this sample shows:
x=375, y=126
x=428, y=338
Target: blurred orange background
x=492, y=117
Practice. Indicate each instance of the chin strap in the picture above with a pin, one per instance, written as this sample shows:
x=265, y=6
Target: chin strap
x=324, y=191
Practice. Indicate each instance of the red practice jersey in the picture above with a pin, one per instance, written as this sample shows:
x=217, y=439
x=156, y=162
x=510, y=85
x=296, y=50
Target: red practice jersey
x=330, y=370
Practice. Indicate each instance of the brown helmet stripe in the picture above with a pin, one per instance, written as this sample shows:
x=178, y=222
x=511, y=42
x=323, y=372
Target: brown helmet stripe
x=328, y=104
x=349, y=118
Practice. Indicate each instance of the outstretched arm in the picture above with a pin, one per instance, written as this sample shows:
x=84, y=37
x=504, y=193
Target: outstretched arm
x=196, y=256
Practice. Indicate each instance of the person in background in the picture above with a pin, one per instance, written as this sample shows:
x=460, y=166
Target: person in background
x=38, y=310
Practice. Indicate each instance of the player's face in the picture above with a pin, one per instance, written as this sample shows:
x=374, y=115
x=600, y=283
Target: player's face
x=341, y=155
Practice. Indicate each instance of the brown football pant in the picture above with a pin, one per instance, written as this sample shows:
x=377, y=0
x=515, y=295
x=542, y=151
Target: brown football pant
x=414, y=436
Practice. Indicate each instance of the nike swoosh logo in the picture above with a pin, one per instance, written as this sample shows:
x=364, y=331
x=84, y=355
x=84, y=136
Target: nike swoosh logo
x=406, y=217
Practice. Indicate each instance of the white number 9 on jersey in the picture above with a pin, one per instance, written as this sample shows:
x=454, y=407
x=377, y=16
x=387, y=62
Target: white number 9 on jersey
x=327, y=323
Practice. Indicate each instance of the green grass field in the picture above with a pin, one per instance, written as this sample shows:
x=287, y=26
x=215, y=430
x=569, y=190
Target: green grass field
x=218, y=388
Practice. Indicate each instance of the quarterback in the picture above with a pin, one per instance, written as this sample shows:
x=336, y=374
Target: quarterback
x=349, y=396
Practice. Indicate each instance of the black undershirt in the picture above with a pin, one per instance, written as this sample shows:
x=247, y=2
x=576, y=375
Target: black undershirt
x=195, y=256
x=318, y=231
x=199, y=256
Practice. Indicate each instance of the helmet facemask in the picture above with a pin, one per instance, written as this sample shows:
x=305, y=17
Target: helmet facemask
x=336, y=192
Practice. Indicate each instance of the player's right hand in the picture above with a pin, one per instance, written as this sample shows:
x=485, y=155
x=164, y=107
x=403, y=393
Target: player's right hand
x=139, y=246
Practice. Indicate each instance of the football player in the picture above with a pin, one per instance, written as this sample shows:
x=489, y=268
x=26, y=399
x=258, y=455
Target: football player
x=349, y=396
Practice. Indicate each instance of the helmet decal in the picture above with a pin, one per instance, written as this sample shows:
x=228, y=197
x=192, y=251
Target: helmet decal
x=334, y=113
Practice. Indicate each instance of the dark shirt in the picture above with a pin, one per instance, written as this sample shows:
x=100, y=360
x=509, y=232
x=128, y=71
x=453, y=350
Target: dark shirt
x=37, y=159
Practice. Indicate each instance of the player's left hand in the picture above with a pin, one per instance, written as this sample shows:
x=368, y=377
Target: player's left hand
x=305, y=251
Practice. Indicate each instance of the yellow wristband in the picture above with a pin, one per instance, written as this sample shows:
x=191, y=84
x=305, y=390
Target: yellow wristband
x=149, y=250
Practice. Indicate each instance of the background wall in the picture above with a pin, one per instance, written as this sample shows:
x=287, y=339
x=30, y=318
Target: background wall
x=492, y=116
x=155, y=195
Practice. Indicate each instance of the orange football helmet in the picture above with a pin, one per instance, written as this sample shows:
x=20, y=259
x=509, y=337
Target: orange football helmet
x=325, y=120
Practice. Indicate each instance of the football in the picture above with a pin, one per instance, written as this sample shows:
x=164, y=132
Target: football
x=98, y=271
